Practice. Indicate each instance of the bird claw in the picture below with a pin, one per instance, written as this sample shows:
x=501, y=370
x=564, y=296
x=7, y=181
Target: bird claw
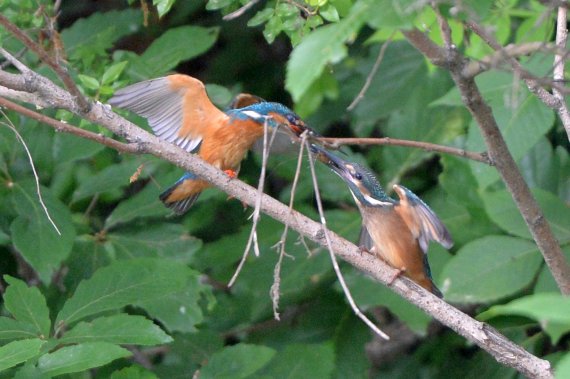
x=231, y=173
x=363, y=249
x=399, y=272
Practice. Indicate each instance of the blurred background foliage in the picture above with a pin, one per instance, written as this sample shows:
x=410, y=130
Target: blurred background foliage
x=126, y=273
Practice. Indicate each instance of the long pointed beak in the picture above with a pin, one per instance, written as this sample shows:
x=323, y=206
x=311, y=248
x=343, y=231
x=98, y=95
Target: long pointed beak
x=336, y=164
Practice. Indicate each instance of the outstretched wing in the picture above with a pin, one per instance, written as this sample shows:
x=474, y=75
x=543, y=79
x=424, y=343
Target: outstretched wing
x=176, y=106
x=422, y=221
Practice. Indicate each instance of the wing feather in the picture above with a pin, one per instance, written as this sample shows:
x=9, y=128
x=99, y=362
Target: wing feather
x=421, y=220
x=176, y=106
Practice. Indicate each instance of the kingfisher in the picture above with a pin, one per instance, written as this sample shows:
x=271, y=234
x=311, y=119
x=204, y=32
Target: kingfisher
x=396, y=231
x=179, y=111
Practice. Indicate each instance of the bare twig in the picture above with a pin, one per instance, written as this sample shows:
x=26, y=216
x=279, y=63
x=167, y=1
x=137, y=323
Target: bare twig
x=11, y=126
x=559, y=61
x=371, y=75
x=501, y=156
x=329, y=246
x=131, y=148
x=274, y=292
x=479, y=157
x=252, y=240
x=237, y=13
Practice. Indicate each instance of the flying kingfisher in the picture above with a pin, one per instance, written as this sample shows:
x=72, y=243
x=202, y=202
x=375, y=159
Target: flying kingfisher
x=397, y=231
x=179, y=111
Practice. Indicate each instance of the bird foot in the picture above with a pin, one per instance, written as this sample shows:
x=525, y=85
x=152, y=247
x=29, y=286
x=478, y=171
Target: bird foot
x=363, y=249
x=231, y=173
x=398, y=273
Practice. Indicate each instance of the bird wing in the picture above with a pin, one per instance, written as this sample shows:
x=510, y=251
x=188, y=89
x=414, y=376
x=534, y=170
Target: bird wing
x=365, y=240
x=422, y=221
x=176, y=106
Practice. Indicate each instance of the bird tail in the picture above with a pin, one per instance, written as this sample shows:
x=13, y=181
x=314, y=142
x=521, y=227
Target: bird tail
x=182, y=203
x=433, y=288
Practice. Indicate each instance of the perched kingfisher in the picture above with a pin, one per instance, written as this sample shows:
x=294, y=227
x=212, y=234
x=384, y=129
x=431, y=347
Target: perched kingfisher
x=397, y=231
x=179, y=111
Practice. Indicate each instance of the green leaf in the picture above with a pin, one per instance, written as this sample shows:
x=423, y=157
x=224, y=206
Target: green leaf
x=490, y=268
x=11, y=329
x=27, y=305
x=302, y=361
x=163, y=6
x=350, y=348
x=68, y=148
x=80, y=357
x=562, y=369
x=133, y=372
x=522, y=118
x=117, y=329
x=323, y=46
x=123, y=283
x=237, y=362
x=188, y=351
x=164, y=54
x=112, y=73
x=110, y=178
x=17, y=352
x=89, y=82
x=393, y=13
x=368, y=293
x=550, y=310
x=218, y=4
x=34, y=236
x=261, y=17
x=400, y=84
x=113, y=25
x=144, y=204
x=501, y=208
x=169, y=241
x=329, y=13
x=179, y=311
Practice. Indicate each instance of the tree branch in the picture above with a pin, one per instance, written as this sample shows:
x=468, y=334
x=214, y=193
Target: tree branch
x=559, y=60
x=59, y=69
x=489, y=339
x=499, y=153
x=479, y=157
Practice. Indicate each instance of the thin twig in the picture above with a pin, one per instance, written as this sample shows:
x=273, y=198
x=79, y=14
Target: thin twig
x=252, y=240
x=479, y=157
x=237, y=13
x=131, y=148
x=559, y=61
x=274, y=292
x=534, y=84
x=11, y=126
x=329, y=246
x=372, y=73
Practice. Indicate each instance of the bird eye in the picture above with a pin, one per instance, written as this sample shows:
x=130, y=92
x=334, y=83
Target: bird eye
x=358, y=176
x=292, y=119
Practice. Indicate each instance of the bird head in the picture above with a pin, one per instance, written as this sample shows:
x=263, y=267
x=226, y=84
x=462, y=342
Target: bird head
x=275, y=115
x=364, y=186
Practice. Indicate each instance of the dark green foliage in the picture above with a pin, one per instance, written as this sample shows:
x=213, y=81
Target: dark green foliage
x=124, y=272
